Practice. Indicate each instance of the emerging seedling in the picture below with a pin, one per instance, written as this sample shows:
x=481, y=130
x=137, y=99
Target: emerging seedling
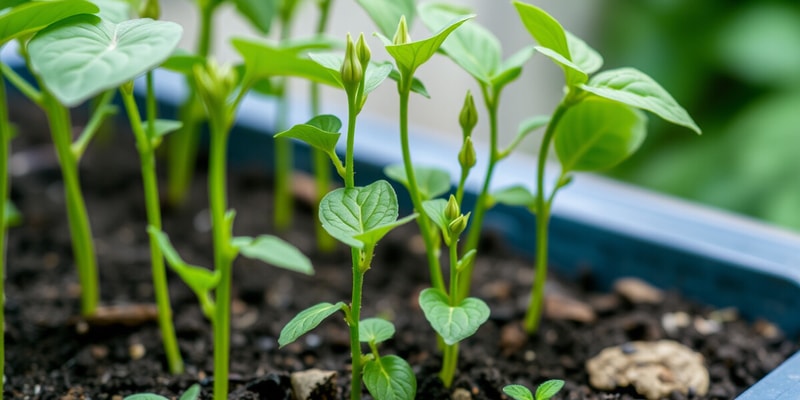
x=597, y=124
x=358, y=216
x=193, y=393
x=545, y=391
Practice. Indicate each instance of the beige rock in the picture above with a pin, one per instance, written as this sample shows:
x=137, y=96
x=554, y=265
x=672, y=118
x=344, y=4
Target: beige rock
x=654, y=369
x=462, y=394
x=314, y=384
x=558, y=306
x=638, y=291
x=512, y=338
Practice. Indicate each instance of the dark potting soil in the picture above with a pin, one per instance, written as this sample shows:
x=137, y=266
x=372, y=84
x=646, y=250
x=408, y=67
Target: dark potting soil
x=50, y=353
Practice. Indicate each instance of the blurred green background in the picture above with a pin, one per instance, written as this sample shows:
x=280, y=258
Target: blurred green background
x=735, y=65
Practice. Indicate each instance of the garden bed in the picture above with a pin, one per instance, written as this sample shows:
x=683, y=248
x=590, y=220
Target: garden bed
x=51, y=353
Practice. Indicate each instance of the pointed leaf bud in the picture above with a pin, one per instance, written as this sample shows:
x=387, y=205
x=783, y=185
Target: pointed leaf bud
x=364, y=54
x=351, y=67
x=467, y=157
x=469, y=115
x=452, y=210
x=458, y=225
x=150, y=9
x=402, y=36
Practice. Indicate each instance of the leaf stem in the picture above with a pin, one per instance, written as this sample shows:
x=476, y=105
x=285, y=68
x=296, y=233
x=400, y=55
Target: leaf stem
x=219, y=125
x=80, y=229
x=534, y=313
x=144, y=144
x=437, y=280
x=450, y=356
x=476, y=226
x=103, y=110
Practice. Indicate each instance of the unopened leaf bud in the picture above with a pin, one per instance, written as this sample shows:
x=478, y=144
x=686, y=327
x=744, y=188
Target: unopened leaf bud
x=215, y=82
x=458, y=225
x=364, y=54
x=150, y=9
x=466, y=156
x=402, y=36
x=469, y=115
x=452, y=210
x=351, y=67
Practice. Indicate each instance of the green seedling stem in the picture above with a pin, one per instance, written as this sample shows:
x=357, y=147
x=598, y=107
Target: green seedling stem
x=183, y=144
x=146, y=145
x=450, y=356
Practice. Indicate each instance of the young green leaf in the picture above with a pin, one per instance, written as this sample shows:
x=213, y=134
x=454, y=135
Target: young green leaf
x=636, y=89
x=377, y=233
x=431, y=182
x=526, y=127
x=33, y=16
x=192, y=393
x=264, y=60
x=518, y=392
x=466, y=259
x=258, y=12
x=274, y=251
x=549, y=389
x=375, y=330
x=82, y=56
x=164, y=126
x=145, y=396
x=321, y=132
x=114, y=11
x=355, y=215
x=511, y=68
x=598, y=133
x=454, y=324
x=12, y=215
x=390, y=378
x=515, y=196
x=199, y=279
x=416, y=85
x=434, y=209
x=472, y=46
x=386, y=13
x=307, y=320
x=585, y=57
x=410, y=56
x=183, y=62
x=552, y=40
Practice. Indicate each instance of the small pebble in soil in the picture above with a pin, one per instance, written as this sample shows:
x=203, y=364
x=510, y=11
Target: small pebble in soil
x=653, y=369
x=638, y=291
x=136, y=351
x=706, y=326
x=314, y=384
x=462, y=394
x=673, y=322
x=561, y=307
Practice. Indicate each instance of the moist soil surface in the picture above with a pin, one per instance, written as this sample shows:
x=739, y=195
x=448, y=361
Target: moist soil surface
x=51, y=353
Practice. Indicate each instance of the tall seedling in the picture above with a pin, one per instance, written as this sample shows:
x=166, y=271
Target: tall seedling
x=597, y=124
x=221, y=96
x=358, y=216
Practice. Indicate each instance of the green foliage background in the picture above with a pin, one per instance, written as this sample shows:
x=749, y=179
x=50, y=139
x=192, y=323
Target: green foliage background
x=735, y=66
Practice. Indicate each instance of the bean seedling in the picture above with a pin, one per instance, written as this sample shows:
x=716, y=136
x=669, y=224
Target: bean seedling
x=545, y=391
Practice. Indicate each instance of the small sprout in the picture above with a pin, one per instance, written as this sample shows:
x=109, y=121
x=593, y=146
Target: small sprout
x=545, y=391
x=469, y=115
x=467, y=157
x=402, y=36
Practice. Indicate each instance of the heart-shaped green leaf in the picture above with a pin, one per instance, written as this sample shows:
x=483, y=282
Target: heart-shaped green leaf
x=598, y=133
x=548, y=389
x=307, y=320
x=275, y=251
x=259, y=13
x=264, y=60
x=390, y=378
x=321, y=132
x=472, y=46
x=431, y=182
x=409, y=56
x=82, y=56
x=518, y=392
x=386, y=13
x=375, y=330
x=552, y=39
x=199, y=279
x=637, y=89
x=454, y=324
x=30, y=17
x=374, y=235
x=354, y=215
